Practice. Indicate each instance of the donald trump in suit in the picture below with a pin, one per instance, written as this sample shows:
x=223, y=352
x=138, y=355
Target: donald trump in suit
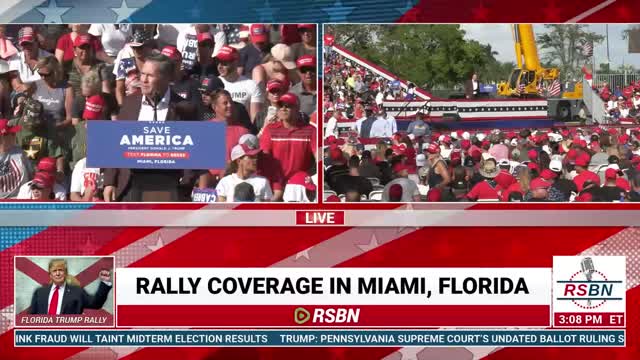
x=64, y=295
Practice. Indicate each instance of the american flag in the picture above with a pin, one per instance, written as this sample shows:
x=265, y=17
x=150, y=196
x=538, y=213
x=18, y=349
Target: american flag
x=10, y=176
x=554, y=89
x=520, y=89
x=541, y=88
x=232, y=32
x=587, y=48
x=126, y=65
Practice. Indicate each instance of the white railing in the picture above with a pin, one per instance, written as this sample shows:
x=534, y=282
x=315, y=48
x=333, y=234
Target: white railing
x=617, y=80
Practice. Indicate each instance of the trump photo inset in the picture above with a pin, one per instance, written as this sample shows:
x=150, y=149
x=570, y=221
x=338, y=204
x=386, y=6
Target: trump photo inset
x=64, y=291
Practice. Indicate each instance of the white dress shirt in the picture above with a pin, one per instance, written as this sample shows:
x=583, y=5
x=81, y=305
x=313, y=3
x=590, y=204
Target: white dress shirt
x=393, y=125
x=331, y=128
x=381, y=128
x=146, y=109
x=60, y=296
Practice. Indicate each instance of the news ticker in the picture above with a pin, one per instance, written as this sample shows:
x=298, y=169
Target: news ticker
x=320, y=338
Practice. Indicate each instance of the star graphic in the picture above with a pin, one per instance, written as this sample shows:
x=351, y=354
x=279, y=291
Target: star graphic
x=338, y=352
x=123, y=351
x=52, y=13
x=338, y=13
x=303, y=254
x=410, y=353
x=552, y=12
x=89, y=247
x=373, y=243
x=194, y=12
x=623, y=13
x=124, y=12
x=480, y=352
x=408, y=207
x=481, y=13
x=7, y=313
x=408, y=6
x=158, y=245
x=31, y=154
x=266, y=13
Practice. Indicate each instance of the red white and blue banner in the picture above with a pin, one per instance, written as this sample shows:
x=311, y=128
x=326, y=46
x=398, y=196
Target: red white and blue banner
x=207, y=252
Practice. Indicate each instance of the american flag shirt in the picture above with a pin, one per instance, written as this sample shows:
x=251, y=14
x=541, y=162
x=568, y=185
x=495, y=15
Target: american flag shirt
x=15, y=170
x=127, y=70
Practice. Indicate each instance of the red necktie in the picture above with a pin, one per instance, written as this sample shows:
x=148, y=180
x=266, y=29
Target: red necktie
x=53, y=306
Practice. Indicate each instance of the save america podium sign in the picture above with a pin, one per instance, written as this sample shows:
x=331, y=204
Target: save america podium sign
x=156, y=145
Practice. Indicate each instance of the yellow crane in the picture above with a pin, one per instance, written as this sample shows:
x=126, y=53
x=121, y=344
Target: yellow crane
x=529, y=74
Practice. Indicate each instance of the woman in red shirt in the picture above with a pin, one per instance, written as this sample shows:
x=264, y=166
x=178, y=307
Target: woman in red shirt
x=224, y=111
x=64, y=48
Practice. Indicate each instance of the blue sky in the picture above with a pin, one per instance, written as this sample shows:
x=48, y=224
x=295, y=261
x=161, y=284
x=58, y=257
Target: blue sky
x=499, y=36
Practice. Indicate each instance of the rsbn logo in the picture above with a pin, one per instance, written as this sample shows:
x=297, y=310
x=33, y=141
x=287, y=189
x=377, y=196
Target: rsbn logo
x=589, y=287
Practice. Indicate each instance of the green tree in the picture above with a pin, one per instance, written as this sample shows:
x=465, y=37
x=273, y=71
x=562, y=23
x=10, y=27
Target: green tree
x=436, y=56
x=561, y=46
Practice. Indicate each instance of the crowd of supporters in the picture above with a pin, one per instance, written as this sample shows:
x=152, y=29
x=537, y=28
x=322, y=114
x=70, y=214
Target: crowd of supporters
x=349, y=88
x=258, y=79
x=621, y=104
x=560, y=165
x=373, y=161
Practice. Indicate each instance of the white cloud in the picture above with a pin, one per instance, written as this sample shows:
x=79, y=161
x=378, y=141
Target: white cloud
x=498, y=35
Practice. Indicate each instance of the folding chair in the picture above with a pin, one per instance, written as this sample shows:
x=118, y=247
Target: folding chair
x=328, y=193
x=375, y=195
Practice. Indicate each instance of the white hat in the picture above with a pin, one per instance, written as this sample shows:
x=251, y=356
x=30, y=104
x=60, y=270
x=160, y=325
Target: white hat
x=546, y=149
x=250, y=140
x=514, y=142
x=555, y=165
x=487, y=156
x=454, y=134
x=330, y=109
x=554, y=137
x=425, y=146
x=241, y=150
x=613, y=166
x=504, y=162
x=283, y=53
x=480, y=136
x=440, y=138
x=466, y=136
x=421, y=160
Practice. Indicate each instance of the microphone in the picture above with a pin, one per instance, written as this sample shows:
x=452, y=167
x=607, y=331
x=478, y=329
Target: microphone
x=587, y=269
